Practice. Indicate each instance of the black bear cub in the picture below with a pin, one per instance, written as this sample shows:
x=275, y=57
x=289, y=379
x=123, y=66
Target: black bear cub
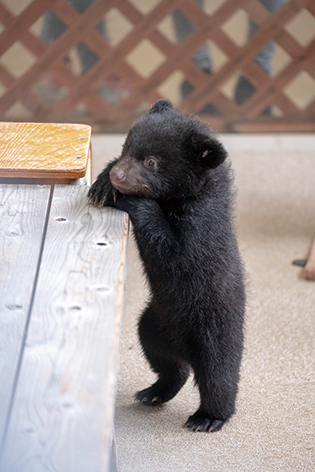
x=173, y=181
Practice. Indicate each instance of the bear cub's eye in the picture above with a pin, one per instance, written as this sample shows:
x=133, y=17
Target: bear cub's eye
x=150, y=162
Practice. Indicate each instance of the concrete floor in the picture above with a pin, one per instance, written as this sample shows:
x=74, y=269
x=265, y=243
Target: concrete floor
x=273, y=429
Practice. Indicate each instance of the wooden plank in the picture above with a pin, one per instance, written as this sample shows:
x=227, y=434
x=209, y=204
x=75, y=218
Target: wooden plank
x=22, y=217
x=45, y=150
x=63, y=409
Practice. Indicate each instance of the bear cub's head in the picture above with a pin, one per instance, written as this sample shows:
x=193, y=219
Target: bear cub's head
x=166, y=155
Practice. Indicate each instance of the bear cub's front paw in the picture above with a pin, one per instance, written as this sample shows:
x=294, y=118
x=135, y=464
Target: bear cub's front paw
x=102, y=193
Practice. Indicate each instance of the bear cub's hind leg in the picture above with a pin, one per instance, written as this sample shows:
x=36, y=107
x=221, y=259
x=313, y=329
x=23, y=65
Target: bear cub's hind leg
x=172, y=373
x=217, y=384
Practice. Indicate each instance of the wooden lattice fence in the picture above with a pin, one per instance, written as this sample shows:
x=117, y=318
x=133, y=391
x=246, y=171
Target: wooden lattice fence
x=105, y=64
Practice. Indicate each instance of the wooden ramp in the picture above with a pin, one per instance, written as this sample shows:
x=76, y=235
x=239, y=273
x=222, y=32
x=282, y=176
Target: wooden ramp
x=61, y=290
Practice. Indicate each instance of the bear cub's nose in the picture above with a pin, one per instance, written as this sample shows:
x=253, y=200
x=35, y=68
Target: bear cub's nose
x=116, y=175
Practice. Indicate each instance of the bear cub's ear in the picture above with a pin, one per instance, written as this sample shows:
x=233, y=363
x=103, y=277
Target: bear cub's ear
x=161, y=105
x=211, y=152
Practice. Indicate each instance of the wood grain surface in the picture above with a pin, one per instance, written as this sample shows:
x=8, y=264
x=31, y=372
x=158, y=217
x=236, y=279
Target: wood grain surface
x=44, y=149
x=63, y=408
x=22, y=215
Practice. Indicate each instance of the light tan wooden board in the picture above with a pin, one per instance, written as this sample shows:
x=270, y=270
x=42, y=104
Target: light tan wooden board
x=63, y=408
x=23, y=212
x=44, y=150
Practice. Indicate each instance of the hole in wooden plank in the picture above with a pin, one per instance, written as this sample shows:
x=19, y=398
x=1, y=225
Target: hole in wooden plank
x=75, y=308
x=102, y=244
x=14, y=307
x=67, y=405
x=102, y=289
x=29, y=430
x=61, y=219
x=14, y=233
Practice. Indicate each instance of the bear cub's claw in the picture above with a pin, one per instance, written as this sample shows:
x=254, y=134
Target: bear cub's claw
x=150, y=397
x=201, y=423
x=102, y=194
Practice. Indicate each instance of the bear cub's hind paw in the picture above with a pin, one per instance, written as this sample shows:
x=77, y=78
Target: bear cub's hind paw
x=200, y=422
x=151, y=396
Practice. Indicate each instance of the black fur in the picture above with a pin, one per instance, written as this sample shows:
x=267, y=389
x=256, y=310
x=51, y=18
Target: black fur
x=172, y=180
